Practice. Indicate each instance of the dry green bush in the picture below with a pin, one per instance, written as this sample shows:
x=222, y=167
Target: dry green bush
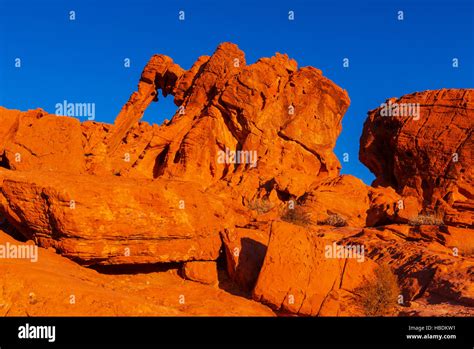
x=378, y=296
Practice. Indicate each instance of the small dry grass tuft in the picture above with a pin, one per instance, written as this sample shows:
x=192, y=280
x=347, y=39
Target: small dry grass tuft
x=428, y=219
x=334, y=220
x=297, y=215
x=261, y=206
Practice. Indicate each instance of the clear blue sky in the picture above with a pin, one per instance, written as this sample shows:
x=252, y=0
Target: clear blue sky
x=82, y=60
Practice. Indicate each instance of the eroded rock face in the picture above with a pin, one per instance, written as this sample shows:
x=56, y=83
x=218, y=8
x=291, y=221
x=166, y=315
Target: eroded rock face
x=426, y=152
x=204, y=272
x=135, y=195
x=298, y=276
x=124, y=178
x=56, y=286
x=112, y=220
x=434, y=263
x=245, y=250
x=357, y=204
x=41, y=141
x=263, y=110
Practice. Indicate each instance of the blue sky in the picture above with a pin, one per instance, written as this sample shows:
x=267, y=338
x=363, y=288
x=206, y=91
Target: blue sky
x=82, y=60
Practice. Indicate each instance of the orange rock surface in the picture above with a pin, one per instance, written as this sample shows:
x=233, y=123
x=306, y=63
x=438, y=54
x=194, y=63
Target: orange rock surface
x=224, y=105
x=358, y=204
x=113, y=220
x=236, y=205
x=245, y=250
x=426, y=153
x=204, y=272
x=56, y=286
x=299, y=277
x=430, y=262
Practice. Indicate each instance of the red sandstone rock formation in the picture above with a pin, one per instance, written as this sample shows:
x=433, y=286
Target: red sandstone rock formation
x=113, y=220
x=298, y=277
x=434, y=263
x=204, y=272
x=427, y=155
x=155, y=198
x=265, y=108
x=41, y=141
x=245, y=251
x=358, y=204
x=56, y=286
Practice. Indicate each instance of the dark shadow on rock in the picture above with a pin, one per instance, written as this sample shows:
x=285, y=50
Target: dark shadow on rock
x=135, y=268
x=251, y=259
x=435, y=298
x=9, y=229
x=228, y=285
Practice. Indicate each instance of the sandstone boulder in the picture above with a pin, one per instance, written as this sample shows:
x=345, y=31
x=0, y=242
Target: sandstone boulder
x=113, y=220
x=56, y=286
x=357, y=204
x=204, y=272
x=298, y=276
x=425, y=151
x=245, y=251
x=425, y=261
x=41, y=141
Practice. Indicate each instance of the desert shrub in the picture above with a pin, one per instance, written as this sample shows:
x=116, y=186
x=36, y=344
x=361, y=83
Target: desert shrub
x=260, y=205
x=378, y=296
x=335, y=220
x=426, y=219
x=297, y=215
